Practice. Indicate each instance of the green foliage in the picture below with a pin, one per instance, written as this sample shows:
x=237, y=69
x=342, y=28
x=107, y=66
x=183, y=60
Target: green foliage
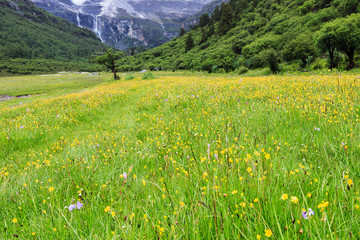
x=182, y=31
x=242, y=70
x=301, y=48
x=347, y=33
x=108, y=60
x=31, y=66
x=204, y=20
x=307, y=7
x=270, y=59
x=226, y=19
x=189, y=44
x=241, y=37
x=129, y=77
x=342, y=34
x=151, y=67
x=215, y=17
x=347, y=7
x=208, y=65
x=325, y=39
x=27, y=31
x=266, y=42
x=148, y=76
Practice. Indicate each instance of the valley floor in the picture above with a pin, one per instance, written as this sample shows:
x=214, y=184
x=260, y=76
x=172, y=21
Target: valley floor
x=183, y=157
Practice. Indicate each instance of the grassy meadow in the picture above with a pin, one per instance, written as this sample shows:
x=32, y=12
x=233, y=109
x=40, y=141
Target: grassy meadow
x=57, y=83
x=181, y=157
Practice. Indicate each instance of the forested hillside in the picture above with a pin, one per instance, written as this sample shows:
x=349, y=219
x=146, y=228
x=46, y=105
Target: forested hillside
x=28, y=32
x=248, y=34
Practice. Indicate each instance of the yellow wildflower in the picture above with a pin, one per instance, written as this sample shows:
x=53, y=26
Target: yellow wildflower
x=284, y=196
x=268, y=233
x=294, y=199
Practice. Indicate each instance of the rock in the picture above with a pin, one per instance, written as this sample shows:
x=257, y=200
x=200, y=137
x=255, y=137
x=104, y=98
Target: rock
x=93, y=74
x=142, y=71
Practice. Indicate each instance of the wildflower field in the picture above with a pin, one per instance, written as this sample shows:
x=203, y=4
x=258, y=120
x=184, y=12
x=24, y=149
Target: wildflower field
x=185, y=157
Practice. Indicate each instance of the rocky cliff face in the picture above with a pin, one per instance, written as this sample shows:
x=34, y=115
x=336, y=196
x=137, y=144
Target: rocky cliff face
x=126, y=23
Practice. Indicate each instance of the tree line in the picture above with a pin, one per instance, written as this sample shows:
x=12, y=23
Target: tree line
x=245, y=34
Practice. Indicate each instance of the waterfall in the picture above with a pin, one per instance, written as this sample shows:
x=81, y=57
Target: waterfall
x=163, y=28
x=78, y=19
x=97, y=27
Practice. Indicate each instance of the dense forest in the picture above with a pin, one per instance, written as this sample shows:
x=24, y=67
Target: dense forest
x=28, y=32
x=248, y=34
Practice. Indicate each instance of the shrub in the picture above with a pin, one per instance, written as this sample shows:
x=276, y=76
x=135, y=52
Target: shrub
x=151, y=67
x=129, y=77
x=207, y=65
x=148, y=75
x=241, y=70
x=270, y=59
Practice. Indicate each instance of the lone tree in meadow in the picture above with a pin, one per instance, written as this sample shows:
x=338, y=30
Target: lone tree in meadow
x=108, y=60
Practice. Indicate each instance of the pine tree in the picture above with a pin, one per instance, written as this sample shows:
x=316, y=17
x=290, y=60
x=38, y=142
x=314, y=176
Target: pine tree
x=182, y=31
x=216, y=14
x=204, y=20
x=211, y=31
x=226, y=19
x=189, y=44
x=204, y=35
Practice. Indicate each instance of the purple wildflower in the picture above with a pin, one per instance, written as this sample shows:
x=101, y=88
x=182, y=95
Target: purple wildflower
x=304, y=214
x=79, y=205
x=72, y=207
x=125, y=175
x=310, y=212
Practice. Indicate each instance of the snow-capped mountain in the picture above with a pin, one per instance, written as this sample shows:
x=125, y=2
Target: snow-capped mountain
x=126, y=23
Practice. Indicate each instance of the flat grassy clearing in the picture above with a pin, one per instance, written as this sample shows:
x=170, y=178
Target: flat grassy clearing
x=185, y=157
x=49, y=83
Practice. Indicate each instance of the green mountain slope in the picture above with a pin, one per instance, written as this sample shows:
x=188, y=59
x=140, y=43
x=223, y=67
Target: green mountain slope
x=246, y=34
x=29, y=32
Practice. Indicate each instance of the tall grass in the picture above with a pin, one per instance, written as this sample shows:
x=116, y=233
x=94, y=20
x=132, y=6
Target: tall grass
x=185, y=158
x=148, y=76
